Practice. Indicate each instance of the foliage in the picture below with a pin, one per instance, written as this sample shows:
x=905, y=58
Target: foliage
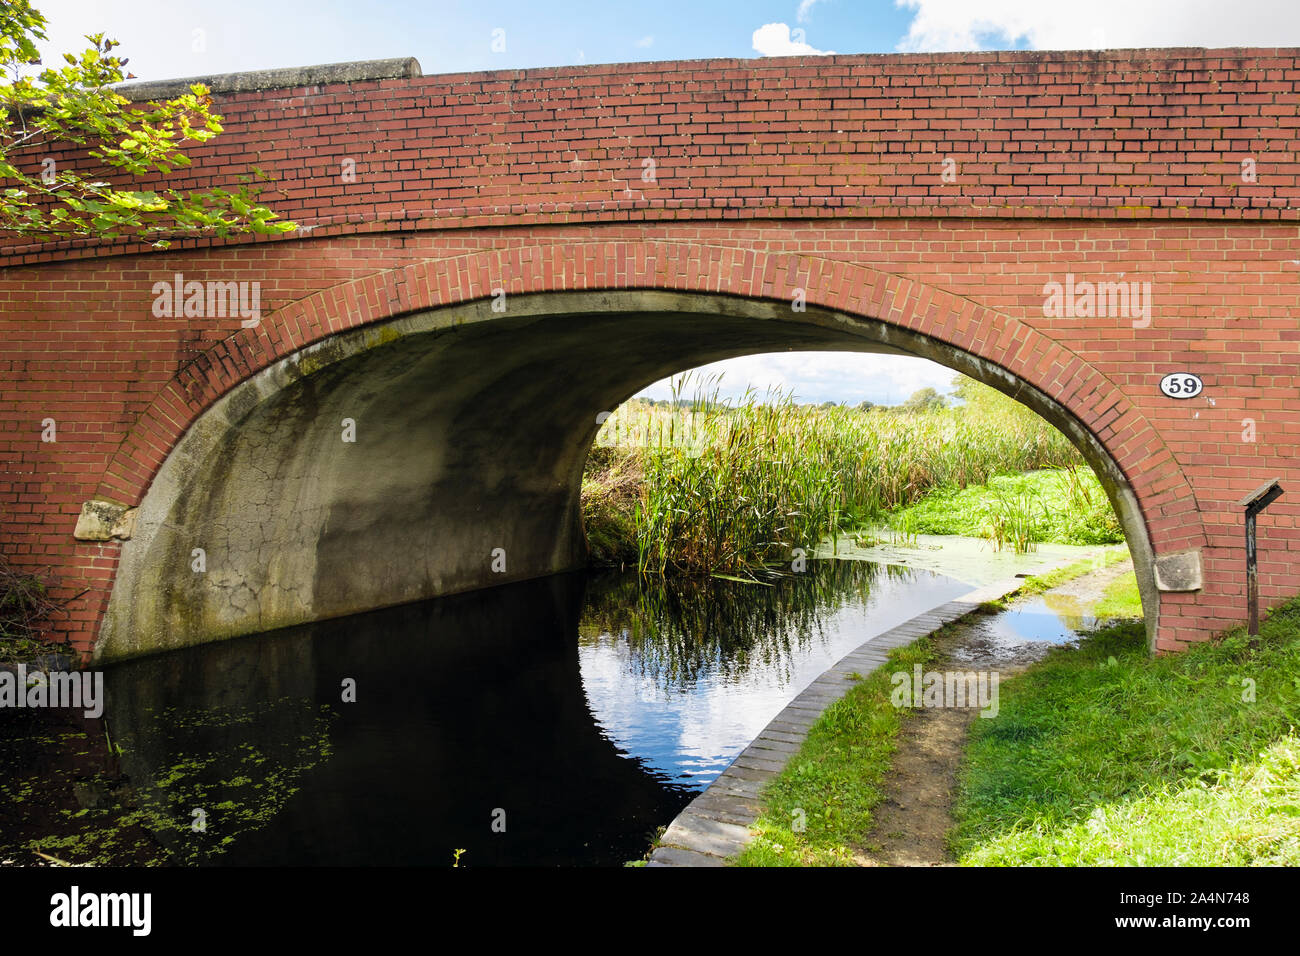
x=611, y=484
x=983, y=399
x=924, y=400
x=77, y=104
x=1063, y=506
x=25, y=605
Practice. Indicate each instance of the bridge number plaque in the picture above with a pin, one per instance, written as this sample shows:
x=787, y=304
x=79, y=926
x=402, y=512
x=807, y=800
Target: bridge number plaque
x=1181, y=385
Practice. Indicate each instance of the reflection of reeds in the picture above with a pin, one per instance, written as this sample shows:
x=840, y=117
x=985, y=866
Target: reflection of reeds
x=681, y=628
x=731, y=486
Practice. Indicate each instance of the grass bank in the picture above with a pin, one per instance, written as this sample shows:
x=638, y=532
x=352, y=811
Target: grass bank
x=1099, y=755
x=1102, y=756
x=837, y=777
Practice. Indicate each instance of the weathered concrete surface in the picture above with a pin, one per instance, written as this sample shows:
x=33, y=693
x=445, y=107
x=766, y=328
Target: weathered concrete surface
x=103, y=521
x=471, y=430
x=1179, y=572
x=406, y=67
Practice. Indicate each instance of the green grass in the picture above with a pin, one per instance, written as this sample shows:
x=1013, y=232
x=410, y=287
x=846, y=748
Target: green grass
x=1039, y=583
x=1120, y=599
x=1062, y=506
x=1100, y=755
x=836, y=780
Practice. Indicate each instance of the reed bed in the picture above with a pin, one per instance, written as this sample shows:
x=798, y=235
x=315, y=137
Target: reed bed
x=729, y=487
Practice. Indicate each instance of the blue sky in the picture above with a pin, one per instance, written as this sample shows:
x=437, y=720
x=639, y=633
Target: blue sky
x=179, y=38
x=449, y=36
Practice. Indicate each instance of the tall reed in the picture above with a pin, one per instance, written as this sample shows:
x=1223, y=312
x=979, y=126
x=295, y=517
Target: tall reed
x=726, y=486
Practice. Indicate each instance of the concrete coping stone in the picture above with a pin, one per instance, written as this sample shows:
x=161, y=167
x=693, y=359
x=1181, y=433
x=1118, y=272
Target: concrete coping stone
x=407, y=67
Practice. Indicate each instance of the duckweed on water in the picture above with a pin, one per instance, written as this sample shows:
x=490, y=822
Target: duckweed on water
x=135, y=812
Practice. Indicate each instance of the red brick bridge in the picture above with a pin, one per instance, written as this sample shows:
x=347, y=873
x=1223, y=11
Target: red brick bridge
x=396, y=400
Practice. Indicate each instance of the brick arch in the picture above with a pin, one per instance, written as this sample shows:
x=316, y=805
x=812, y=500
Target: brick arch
x=1145, y=483
x=1167, y=501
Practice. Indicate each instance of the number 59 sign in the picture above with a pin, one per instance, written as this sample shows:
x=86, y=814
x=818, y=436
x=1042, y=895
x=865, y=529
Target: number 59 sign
x=1181, y=385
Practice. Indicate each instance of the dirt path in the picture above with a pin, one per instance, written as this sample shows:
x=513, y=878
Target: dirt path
x=913, y=819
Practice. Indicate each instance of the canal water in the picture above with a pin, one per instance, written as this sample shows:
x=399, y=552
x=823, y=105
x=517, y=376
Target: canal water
x=554, y=722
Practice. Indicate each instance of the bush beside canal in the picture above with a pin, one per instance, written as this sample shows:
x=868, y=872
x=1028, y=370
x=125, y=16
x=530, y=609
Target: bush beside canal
x=25, y=606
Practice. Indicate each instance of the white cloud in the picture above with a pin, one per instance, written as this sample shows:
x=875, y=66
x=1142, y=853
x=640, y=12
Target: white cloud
x=645, y=41
x=774, y=39
x=805, y=8
x=942, y=25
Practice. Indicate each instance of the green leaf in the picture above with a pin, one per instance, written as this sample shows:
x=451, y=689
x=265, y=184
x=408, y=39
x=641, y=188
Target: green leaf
x=75, y=104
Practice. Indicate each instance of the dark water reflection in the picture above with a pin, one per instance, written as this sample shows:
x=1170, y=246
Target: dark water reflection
x=559, y=721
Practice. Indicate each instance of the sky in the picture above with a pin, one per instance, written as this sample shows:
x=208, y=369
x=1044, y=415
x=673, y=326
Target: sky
x=165, y=39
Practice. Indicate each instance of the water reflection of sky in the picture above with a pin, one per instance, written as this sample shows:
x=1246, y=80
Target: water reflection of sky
x=1035, y=620
x=690, y=727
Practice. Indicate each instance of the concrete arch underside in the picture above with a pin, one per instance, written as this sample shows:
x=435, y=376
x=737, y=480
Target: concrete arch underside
x=471, y=431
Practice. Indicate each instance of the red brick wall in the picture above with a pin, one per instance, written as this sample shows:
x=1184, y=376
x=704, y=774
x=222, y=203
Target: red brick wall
x=1097, y=164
